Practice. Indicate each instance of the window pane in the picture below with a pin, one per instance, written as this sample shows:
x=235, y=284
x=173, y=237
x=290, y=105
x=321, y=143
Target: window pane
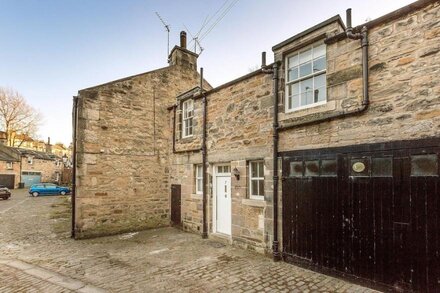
x=296, y=169
x=328, y=168
x=305, y=69
x=382, y=167
x=220, y=169
x=305, y=56
x=293, y=89
x=294, y=102
x=319, y=64
x=312, y=168
x=226, y=169
x=260, y=187
x=306, y=85
x=320, y=81
x=254, y=187
x=293, y=74
x=293, y=61
x=199, y=185
x=261, y=169
x=306, y=91
x=320, y=93
x=424, y=165
x=254, y=171
x=319, y=51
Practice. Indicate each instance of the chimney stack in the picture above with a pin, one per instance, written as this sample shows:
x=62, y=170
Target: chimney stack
x=181, y=56
x=183, y=39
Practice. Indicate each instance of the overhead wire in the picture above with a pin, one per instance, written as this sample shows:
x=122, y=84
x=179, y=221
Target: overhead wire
x=231, y=5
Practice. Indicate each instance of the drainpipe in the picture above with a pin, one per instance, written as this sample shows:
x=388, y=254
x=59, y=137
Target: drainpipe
x=73, y=197
x=204, y=161
x=274, y=72
x=363, y=37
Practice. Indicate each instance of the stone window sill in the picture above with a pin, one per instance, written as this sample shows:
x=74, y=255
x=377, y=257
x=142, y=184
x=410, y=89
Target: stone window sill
x=196, y=196
x=314, y=109
x=260, y=203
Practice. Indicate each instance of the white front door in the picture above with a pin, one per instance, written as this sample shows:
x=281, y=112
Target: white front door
x=223, y=204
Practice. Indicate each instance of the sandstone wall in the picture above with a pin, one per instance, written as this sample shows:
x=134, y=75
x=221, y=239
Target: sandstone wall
x=239, y=123
x=48, y=168
x=14, y=171
x=404, y=63
x=123, y=152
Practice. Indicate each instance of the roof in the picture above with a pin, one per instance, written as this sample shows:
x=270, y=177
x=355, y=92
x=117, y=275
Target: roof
x=35, y=154
x=335, y=18
x=7, y=157
x=123, y=79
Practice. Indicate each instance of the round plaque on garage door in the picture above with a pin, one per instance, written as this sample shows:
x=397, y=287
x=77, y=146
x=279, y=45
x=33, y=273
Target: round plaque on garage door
x=358, y=167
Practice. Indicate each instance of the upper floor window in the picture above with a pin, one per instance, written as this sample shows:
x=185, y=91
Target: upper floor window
x=306, y=78
x=256, y=179
x=188, y=113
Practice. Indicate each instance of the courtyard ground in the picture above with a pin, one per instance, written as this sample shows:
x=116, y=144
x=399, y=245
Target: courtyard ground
x=38, y=255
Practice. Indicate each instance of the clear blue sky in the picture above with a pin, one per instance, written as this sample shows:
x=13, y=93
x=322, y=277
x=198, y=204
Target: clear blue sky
x=52, y=48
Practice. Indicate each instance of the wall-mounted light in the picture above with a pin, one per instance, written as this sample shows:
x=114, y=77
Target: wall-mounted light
x=236, y=173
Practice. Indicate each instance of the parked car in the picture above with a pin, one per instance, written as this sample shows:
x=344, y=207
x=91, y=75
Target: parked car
x=48, y=189
x=4, y=192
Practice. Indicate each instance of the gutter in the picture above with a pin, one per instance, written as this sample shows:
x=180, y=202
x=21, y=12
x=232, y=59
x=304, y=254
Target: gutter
x=73, y=197
x=349, y=33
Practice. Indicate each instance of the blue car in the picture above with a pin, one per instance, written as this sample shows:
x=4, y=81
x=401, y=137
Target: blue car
x=47, y=189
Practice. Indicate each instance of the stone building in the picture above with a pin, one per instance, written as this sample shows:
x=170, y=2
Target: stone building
x=338, y=140
x=18, y=165
x=122, y=148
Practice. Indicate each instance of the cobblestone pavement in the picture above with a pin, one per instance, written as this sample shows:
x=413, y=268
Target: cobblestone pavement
x=35, y=232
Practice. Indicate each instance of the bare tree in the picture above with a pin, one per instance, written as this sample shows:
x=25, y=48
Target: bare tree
x=18, y=119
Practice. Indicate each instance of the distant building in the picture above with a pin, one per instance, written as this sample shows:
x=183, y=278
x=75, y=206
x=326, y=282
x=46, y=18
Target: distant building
x=19, y=165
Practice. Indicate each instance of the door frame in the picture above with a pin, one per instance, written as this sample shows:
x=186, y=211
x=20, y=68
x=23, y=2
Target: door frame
x=214, y=195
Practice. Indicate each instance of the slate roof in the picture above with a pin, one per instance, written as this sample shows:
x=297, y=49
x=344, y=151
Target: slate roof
x=36, y=154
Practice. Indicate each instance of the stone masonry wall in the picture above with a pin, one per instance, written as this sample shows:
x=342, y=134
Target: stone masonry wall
x=404, y=62
x=14, y=171
x=239, y=123
x=48, y=168
x=123, y=152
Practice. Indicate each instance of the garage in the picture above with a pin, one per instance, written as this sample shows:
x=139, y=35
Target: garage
x=7, y=180
x=368, y=212
x=29, y=178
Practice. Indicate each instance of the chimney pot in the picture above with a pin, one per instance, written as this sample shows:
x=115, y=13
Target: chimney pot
x=348, y=20
x=263, y=59
x=183, y=39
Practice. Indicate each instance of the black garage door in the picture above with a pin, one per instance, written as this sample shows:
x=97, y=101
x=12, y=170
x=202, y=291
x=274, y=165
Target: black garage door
x=7, y=180
x=369, y=211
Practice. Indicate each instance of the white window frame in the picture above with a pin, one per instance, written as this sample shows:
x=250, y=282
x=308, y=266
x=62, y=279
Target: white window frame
x=9, y=165
x=303, y=78
x=187, y=118
x=251, y=191
x=198, y=176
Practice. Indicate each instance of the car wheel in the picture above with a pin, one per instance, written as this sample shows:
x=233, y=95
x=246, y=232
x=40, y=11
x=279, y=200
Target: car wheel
x=63, y=193
x=34, y=194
